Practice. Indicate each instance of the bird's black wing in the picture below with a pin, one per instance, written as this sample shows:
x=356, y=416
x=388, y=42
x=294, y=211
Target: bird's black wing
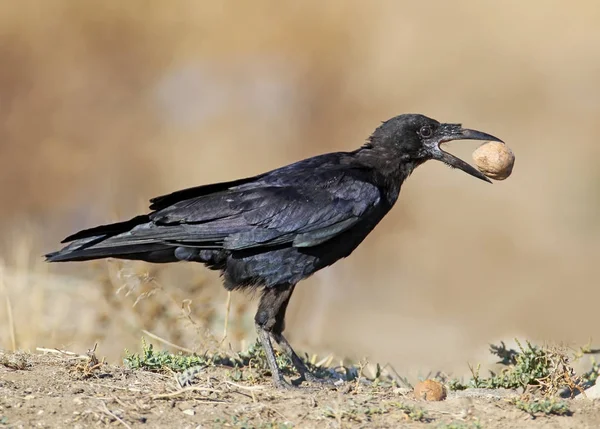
x=164, y=201
x=262, y=216
x=300, y=208
x=302, y=205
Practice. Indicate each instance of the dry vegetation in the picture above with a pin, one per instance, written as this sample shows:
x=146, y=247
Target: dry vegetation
x=156, y=388
x=106, y=104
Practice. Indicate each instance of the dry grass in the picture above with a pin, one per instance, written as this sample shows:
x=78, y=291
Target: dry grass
x=81, y=389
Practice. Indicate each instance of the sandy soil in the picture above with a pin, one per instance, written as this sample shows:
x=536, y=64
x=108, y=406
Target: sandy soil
x=52, y=390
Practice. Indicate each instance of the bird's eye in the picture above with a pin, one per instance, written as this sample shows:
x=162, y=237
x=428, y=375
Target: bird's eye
x=425, y=131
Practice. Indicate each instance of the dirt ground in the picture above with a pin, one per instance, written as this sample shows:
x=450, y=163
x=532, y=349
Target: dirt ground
x=57, y=390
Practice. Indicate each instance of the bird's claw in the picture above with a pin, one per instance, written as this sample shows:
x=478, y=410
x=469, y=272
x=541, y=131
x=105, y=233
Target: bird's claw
x=281, y=384
x=311, y=378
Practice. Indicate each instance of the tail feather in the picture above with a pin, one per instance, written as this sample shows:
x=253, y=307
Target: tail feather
x=79, y=253
x=108, y=230
x=86, y=245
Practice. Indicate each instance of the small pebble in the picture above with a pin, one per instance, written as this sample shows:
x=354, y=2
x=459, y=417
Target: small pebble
x=495, y=160
x=189, y=412
x=430, y=390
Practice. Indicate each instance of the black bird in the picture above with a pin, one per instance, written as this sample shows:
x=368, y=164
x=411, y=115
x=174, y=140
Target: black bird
x=273, y=230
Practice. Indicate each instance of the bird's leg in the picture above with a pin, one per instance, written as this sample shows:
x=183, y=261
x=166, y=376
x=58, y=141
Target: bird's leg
x=277, y=335
x=265, y=340
x=274, y=300
x=305, y=373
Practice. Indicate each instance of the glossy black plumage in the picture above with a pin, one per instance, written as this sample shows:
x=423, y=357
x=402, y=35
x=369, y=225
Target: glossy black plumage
x=278, y=228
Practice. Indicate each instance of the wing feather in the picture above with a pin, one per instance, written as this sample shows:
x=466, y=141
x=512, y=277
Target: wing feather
x=300, y=207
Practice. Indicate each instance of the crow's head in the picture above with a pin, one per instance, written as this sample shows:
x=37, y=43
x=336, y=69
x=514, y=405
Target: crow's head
x=417, y=138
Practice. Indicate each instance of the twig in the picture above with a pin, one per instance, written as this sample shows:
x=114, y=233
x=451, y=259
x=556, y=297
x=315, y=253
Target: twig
x=105, y=398
x=61, y=352
x=226, y=323
x=361, y=366
x=9, y=313
x=326, y=361
x=11, y=324
x=185, y=390
x=252, y=389
x=168, y=343
x=239, y=386
x=130, y=389
x=105, y=409
x=397, y=377
x=123, y=404
x=278, y=412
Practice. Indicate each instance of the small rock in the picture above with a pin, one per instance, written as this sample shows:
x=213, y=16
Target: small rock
x=430, y=390
x=189, y=412
x=494, y=159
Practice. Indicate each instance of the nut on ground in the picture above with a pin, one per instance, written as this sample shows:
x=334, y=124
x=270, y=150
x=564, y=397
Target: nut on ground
x=430, y=390
x=494, y=159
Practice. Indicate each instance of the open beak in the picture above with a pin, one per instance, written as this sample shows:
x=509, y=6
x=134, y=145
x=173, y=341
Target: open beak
x=450, y=132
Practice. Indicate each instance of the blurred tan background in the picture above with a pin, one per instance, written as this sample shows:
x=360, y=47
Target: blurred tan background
x=105, y=104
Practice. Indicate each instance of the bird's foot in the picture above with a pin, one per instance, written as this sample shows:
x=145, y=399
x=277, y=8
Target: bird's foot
x=281, y=384
x=311, y=378
x=325, y=382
